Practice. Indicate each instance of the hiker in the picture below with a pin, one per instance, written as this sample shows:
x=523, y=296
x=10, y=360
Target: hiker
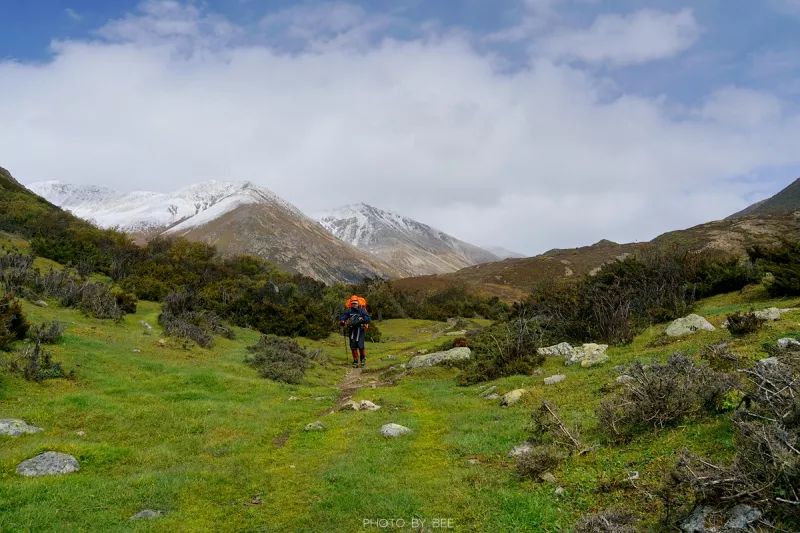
x=356, y=320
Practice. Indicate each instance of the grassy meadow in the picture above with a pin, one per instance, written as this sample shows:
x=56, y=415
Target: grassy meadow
x=199, y=435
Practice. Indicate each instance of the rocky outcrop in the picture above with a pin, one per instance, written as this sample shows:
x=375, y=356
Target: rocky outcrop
x=688, y=325
x=562, y=349
x=11, y=427
x=394, y=430
x=587, y=355
x=788, y=343
x=438, y=358
x=552, y=380
x=48, y=464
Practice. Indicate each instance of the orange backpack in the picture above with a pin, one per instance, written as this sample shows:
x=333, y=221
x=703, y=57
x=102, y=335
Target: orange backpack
x=362, y=302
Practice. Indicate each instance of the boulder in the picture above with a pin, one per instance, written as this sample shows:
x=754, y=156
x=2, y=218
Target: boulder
x=488, y=391
x=147, y=514
x=741, y=517
x=552, y=380
x=40, y=303
x=562, y=349
x=11, y=427
x=696, y=521
x=47, y=464
x=624, y=378
x=315, y=426
x=787, y=343
x=688, y=325
x=394, y=430
x=350, y=405
x=512, y=397
x=366, y=405
x=595, y=353
x=437, y=358
x=770, y=313
x=549, y=478
x=521, y=449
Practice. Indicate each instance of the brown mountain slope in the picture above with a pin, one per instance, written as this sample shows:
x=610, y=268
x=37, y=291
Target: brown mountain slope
x=513, y=279
x=784, y=202
x=287, y=238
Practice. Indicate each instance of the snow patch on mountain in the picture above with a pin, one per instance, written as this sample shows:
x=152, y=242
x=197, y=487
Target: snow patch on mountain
x=145, y=210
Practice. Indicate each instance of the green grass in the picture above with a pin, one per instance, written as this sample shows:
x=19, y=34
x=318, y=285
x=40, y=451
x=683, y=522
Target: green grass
x=198, y=434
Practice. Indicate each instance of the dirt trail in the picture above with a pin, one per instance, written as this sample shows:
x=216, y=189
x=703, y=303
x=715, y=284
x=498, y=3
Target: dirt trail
x=354, y=379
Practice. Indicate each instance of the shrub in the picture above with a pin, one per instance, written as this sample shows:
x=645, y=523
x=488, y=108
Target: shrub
x=13, y=325
x=608, y=521
x=744, y=323
x=181, y=316
x=765, y=471
x=373, y=333
x=505, y=348
x=538, y=460
x=662, y=395
x=280, y=359
x=547, y=427
x=47, y=332
x=719, y=356
x=126, y=301
x=35, y=363
x=783, y=263
x=97, y=300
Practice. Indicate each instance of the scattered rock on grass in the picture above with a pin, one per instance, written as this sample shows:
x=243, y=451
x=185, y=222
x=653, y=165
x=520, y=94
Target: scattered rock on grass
x=562, y=349
x=492, y=396
x=315, y=426
x=624, y=378
x=770, y=313
x=350, y=405
x=394, y=430
x=147, y=514
x=559, y=491
x=366, y=405
x=696, y=522
x=549, y=478
x=11, y=427
x=741, y=517
x=40, y=303
x=521, y=449
x=552, y=380
x=489, y=390
x=512, y=397
x=788, y=342
x=688, y=325
x=437, y=358
x=596, y=353
x=47, y=464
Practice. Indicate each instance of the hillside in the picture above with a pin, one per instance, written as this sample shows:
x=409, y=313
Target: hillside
x=411, y=247
x=198, y=436
x=236, y=217
x=785, y=202
x=514, y=278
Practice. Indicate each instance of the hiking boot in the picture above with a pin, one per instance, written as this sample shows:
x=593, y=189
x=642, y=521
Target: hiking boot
x=363, y=362
x=355, y=364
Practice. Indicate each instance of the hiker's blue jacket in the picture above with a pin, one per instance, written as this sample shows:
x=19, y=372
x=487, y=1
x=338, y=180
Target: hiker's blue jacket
x=350, y=312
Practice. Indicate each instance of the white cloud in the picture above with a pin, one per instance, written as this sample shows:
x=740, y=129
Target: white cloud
x=530, y=159
x=73, y=15
x=639, y=37
x=742, y=107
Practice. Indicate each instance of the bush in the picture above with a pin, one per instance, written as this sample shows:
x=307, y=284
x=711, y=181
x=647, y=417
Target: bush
x=373, y=333
x=280, y=359
x=608, y=521
x=47, y=332
x=504, y=349
x=744, y=323
x=97, y=300
x=662, y=395
x=35, y=363
x=765, y=471
x=126, y=301
x=181, y=316
x=720, y=357
x=13, y=325
x=783, y=263
x=538, y=460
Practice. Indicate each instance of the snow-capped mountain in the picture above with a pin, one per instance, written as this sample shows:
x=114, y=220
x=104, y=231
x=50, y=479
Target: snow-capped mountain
x=504, y=253
x=236, y=217
x=410, y=246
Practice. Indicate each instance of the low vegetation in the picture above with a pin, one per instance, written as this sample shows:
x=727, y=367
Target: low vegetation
x=740, y=323
x=13, y=324
x=280, y=359
x=49, y=332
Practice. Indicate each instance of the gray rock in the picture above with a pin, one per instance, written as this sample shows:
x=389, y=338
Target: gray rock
x=492, y=396
x=350, y=405
x=512, y=397
x=768, y=362
x=787, y=343
x=595, y=353
x=315, y=426
x=40, y=303
x=473, y=461
x=11, y=427
x=366, y=405
x=48, y=463
x=394, y=430
x=552, y=380
x=459, y=333
x=559, y=491
x=147, y=514
x=696, y=522
x=562, y=349
x=770, y=313
x=488, y=391
x=549, y=478
x=741, y=517
x=688, y=325
x=437, y=358
x=624, y=378
x=521, y=449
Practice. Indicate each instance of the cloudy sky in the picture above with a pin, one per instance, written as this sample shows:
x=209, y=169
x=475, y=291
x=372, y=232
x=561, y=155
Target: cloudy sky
x=529, y=124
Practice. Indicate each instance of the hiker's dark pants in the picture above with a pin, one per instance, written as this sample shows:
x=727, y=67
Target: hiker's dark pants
x=357, y=342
